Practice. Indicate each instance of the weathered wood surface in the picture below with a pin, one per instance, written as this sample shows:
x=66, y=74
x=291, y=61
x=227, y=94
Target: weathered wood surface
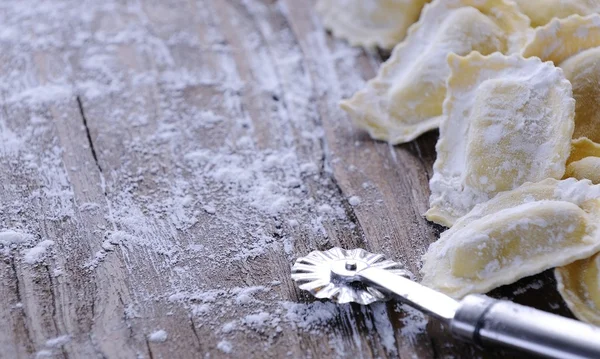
x=181, y=154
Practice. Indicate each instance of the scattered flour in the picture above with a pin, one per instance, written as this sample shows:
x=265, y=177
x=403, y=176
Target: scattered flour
x=42, y=94
x=354, y=200
x=210, y=209
x=310, y=317
x=229, y=327
x=168, y=172
x=51, y=346
x=554, y=306
x=10, y=239
x=309, y=168
x=58, y=341
x=384, y=327
x=538, y=284
x=325, y=209
x=413, y=323
x=200, y=309
x=13, y=237
x=245, y=295
x=38, y=253
x=225, y=346
x=158, y=336
x=262, y=322
x=89, y=206
x=44, y=354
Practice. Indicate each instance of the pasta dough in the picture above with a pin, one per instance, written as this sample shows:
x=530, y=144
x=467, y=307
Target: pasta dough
x=562, y=38
x=405, y=99
x=584, y=161
x=583, y=70
x=516, y=234
x=372, y=23
x=542, y=11
x=572, y=43
x=583, y=147
x=508, y=120
x=579, y=285
x=586, y=168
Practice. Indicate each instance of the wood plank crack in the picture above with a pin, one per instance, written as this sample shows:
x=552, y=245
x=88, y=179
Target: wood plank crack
x=25, y=326
x=126, y=319
x=87, y=131
x=53, y=299
x=149, y=349
x=193, y=325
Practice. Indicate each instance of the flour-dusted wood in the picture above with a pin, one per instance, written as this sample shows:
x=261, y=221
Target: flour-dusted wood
x=180, y=155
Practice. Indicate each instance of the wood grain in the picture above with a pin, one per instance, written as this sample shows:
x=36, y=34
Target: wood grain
x=152, y=141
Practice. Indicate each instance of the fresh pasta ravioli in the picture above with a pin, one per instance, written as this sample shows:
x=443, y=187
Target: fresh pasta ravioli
x=583, y=147
x=573, y=45
x=371, y=23
x=508, y=120
x=562, y=38
x=584, y=161
x=579, y=285
x=542, y=11
x=585, y=168
x=583, y=71
x=405, y=99
x=516, y=234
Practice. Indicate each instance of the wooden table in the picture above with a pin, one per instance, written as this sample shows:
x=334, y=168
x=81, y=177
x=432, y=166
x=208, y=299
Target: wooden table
x=180, y=155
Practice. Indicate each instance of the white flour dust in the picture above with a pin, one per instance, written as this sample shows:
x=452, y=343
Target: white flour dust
x=209, y=178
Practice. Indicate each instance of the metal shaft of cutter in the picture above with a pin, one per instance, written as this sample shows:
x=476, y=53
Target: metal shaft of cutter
x=484, y=321
x=490, y=322
x=414, y=294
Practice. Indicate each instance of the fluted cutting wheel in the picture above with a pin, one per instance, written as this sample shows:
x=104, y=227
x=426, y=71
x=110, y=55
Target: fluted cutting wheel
x=333, y=275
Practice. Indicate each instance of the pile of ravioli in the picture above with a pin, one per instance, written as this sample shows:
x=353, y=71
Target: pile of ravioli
x=514, y=88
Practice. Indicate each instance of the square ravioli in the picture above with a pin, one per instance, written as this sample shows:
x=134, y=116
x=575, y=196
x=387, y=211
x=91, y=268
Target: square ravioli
x=562, y=38
x=542, y=12
x=583, y=71
x=573, y=44
x=583, y=147
x=381, y=23
x=585, y=168
x=516, y=234
x=579, y=285
x=405, y=99
x=584, y=161
x=507, y=120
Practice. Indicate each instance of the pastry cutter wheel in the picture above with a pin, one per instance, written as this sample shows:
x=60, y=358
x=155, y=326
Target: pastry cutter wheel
x=359, y=276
